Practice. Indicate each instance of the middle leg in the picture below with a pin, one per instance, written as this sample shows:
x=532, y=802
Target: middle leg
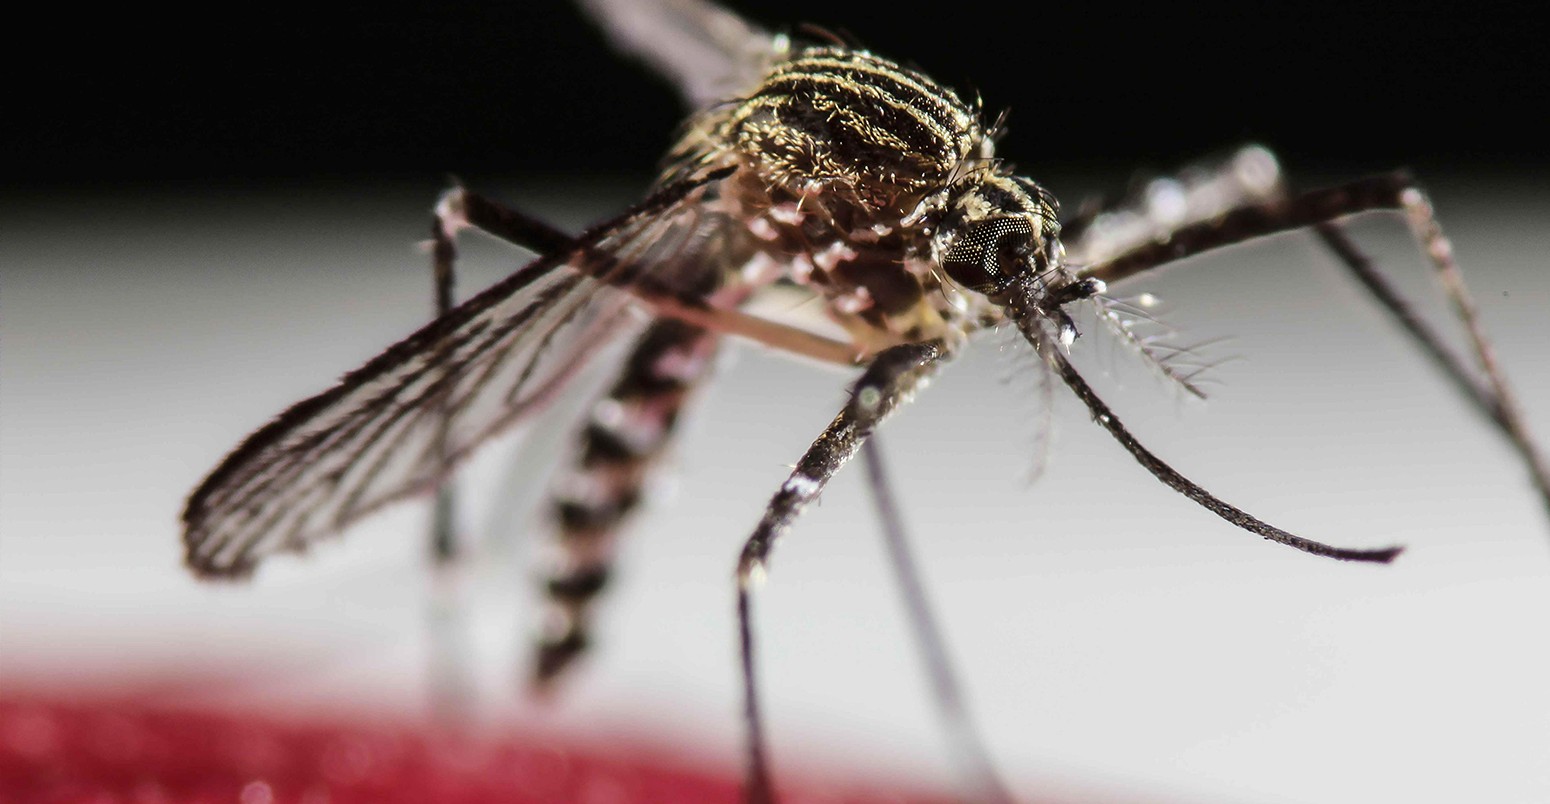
x=968, y=749
x=889, y=381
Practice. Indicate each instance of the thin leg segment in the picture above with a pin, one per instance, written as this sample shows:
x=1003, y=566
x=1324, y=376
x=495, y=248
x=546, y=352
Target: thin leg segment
x=444, y=547
x=503, y=222
x=889, y=381
x=451, y=666
x=968, y=749
x=1240, y=224
x=1485, y=386
x=1496, y=401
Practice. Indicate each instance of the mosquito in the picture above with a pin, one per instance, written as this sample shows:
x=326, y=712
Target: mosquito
x=812, y=164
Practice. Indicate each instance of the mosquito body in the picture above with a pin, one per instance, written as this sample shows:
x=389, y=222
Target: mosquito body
x=809, y=164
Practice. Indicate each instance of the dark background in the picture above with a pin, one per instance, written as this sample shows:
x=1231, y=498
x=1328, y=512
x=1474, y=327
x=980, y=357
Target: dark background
x=282, y=93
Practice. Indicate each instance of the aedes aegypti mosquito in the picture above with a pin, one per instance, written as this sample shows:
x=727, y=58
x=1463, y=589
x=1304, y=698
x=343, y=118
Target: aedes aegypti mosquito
x=811, y=164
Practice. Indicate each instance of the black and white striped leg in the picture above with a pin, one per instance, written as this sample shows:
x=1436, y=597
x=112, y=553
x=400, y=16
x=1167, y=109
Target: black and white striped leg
x=1103, y=228
x=889, y=380
x=964, y=741
x=1484, y=386
x=1494, y=398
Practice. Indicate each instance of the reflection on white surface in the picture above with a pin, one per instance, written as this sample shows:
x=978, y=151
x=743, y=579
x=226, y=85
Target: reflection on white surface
x=1112, y=635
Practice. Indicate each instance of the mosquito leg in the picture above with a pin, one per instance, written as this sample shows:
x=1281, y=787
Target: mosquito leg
x=460, y=207
x=451, y=666
x=1320, y=209
x=889, y=381
x=1496, y=401
x=1426, y=339
x=444, y=546
x=1202, y=191
x=968, y=748
x=1243, y=223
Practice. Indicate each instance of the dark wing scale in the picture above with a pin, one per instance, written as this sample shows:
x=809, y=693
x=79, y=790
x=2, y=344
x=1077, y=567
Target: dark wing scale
x=393, y=427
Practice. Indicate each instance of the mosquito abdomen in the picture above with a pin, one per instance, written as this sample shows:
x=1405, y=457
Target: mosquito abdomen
x=628, y=429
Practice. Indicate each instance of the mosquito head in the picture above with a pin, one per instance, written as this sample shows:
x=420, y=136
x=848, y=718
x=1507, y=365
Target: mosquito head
x=998, y=232
x=1000, y=236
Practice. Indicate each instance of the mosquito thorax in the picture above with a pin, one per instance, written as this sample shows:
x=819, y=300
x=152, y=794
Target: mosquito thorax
x=857, y=123
x=833, y=153
x=995, y=229
x=847, y=129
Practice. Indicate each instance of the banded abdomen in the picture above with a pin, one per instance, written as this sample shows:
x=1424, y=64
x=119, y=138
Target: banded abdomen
x=627, y=429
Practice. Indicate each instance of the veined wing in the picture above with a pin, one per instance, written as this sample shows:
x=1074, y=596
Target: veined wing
x=710, y=53
x=394, y=427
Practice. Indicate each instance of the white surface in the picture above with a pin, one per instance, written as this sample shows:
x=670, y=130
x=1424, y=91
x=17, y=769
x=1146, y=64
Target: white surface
x=1113, y=636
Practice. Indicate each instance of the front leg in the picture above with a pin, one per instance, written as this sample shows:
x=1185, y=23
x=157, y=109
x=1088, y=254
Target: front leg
x=889, y=381
x=451, y=666
x=1245, y=200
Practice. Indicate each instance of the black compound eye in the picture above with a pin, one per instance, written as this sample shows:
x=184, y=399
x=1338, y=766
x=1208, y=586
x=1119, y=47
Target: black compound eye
x=987, y=256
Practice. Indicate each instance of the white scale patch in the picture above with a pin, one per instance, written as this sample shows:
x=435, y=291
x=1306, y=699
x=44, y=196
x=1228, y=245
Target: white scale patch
x=854, y=301
x=834, y=254
x=801, y=269
x=762, y=269
x=763, y=229
x=641, y=429
x=683, y=365
x=585, y=488
x=801, y=485
x=789, y=213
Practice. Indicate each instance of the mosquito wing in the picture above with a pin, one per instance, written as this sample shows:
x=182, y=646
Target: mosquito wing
x=393, y=427
x=710, y=53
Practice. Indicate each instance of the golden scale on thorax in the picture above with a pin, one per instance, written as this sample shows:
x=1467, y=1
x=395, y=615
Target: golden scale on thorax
x=856, y=179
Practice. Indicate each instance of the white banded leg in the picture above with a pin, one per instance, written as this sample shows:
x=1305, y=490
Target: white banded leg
x=891, y=378
x=1484, y=385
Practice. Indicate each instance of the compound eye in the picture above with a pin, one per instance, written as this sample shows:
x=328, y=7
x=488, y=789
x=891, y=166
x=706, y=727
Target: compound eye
x=987, y=256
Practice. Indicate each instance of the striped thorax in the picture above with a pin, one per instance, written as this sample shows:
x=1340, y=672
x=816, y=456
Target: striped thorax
x=867, y=182
x=853, y=123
